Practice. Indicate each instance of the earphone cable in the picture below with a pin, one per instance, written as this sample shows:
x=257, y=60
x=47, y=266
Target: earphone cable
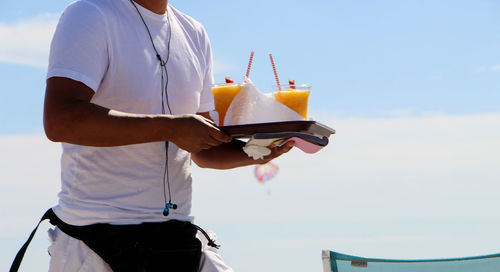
x=163, y=68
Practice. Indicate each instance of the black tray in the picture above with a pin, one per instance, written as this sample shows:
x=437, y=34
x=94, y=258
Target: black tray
x=312, y=127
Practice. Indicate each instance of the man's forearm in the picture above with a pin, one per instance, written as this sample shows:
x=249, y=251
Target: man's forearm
x=70, y=116
x=85, y=123
x=231, y=155
x=225, y=156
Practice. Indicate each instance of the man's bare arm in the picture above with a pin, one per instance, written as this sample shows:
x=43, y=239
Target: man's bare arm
x=231, y=155
x=70, y=117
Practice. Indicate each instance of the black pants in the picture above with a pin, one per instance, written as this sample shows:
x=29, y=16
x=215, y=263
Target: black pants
x=151, y=247
x=164, y=246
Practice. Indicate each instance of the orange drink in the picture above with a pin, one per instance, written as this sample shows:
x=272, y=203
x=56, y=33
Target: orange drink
x=295, y=97
x=223, y=96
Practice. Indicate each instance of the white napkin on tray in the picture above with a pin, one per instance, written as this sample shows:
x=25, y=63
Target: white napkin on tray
x=250, y=106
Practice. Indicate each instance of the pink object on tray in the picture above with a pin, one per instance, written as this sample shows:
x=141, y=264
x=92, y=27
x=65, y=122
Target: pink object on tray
x=304, y=145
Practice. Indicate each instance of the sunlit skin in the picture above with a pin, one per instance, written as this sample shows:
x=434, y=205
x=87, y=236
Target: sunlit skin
x=156, y=6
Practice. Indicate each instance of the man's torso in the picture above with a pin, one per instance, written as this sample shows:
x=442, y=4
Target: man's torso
x=125, y=185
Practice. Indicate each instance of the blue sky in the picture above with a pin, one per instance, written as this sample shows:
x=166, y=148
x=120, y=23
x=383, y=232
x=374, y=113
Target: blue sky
x=411, y=86
x=363, y=58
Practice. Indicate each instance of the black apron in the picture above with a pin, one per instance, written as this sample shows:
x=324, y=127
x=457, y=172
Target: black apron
x=164, y=246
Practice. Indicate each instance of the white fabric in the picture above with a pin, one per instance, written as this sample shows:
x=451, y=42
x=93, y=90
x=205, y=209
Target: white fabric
x=215, y=116
x=72, y=255
x=258, y=148
x=211, y=261
x=105, y=45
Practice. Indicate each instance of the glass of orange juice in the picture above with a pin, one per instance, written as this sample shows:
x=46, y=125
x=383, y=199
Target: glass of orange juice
x=223, y=96
x=295, y=96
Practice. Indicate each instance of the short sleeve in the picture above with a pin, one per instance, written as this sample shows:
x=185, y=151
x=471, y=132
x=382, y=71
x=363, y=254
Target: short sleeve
x=79, y=48
x=206, y=97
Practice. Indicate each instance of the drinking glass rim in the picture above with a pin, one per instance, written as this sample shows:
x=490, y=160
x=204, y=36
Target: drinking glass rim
x=221, y=84
x=287, y=86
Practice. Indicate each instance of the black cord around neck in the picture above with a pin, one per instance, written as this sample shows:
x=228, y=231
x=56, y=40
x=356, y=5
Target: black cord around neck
x=164, y=91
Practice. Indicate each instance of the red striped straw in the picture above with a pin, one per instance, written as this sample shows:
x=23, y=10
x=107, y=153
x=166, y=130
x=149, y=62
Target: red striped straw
x=249, y=64
x=275, y=73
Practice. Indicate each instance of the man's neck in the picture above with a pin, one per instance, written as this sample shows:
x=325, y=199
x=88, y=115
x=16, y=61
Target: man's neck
x=156, y=6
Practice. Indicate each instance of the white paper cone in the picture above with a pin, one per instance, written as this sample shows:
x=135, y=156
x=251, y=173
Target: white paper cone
x=251, y=106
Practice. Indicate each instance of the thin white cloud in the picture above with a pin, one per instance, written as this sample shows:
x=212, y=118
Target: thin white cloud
x=221, y=66
x=27, y=42
x=406, y=112
x=339, y=240
x=372, y=163
x=482, y=69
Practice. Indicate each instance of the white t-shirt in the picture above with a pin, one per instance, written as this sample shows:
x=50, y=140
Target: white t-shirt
x=105, y=45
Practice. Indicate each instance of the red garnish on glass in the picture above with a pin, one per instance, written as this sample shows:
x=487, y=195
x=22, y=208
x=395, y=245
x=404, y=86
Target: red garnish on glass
x=291, y=83
x=229, y=80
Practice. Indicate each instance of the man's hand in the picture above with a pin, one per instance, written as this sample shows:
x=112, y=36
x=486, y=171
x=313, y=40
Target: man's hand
x=276, y=151
x=231, y=155
x=194, y=132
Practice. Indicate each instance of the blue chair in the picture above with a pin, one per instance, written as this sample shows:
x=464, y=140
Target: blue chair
x=338, y=262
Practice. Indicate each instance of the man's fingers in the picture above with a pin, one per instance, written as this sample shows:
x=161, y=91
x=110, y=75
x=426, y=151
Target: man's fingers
x=220, y=136
x=212, y=142
x=285, y=148
x=216, y=133
x=209, y=121
x=206, y=146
